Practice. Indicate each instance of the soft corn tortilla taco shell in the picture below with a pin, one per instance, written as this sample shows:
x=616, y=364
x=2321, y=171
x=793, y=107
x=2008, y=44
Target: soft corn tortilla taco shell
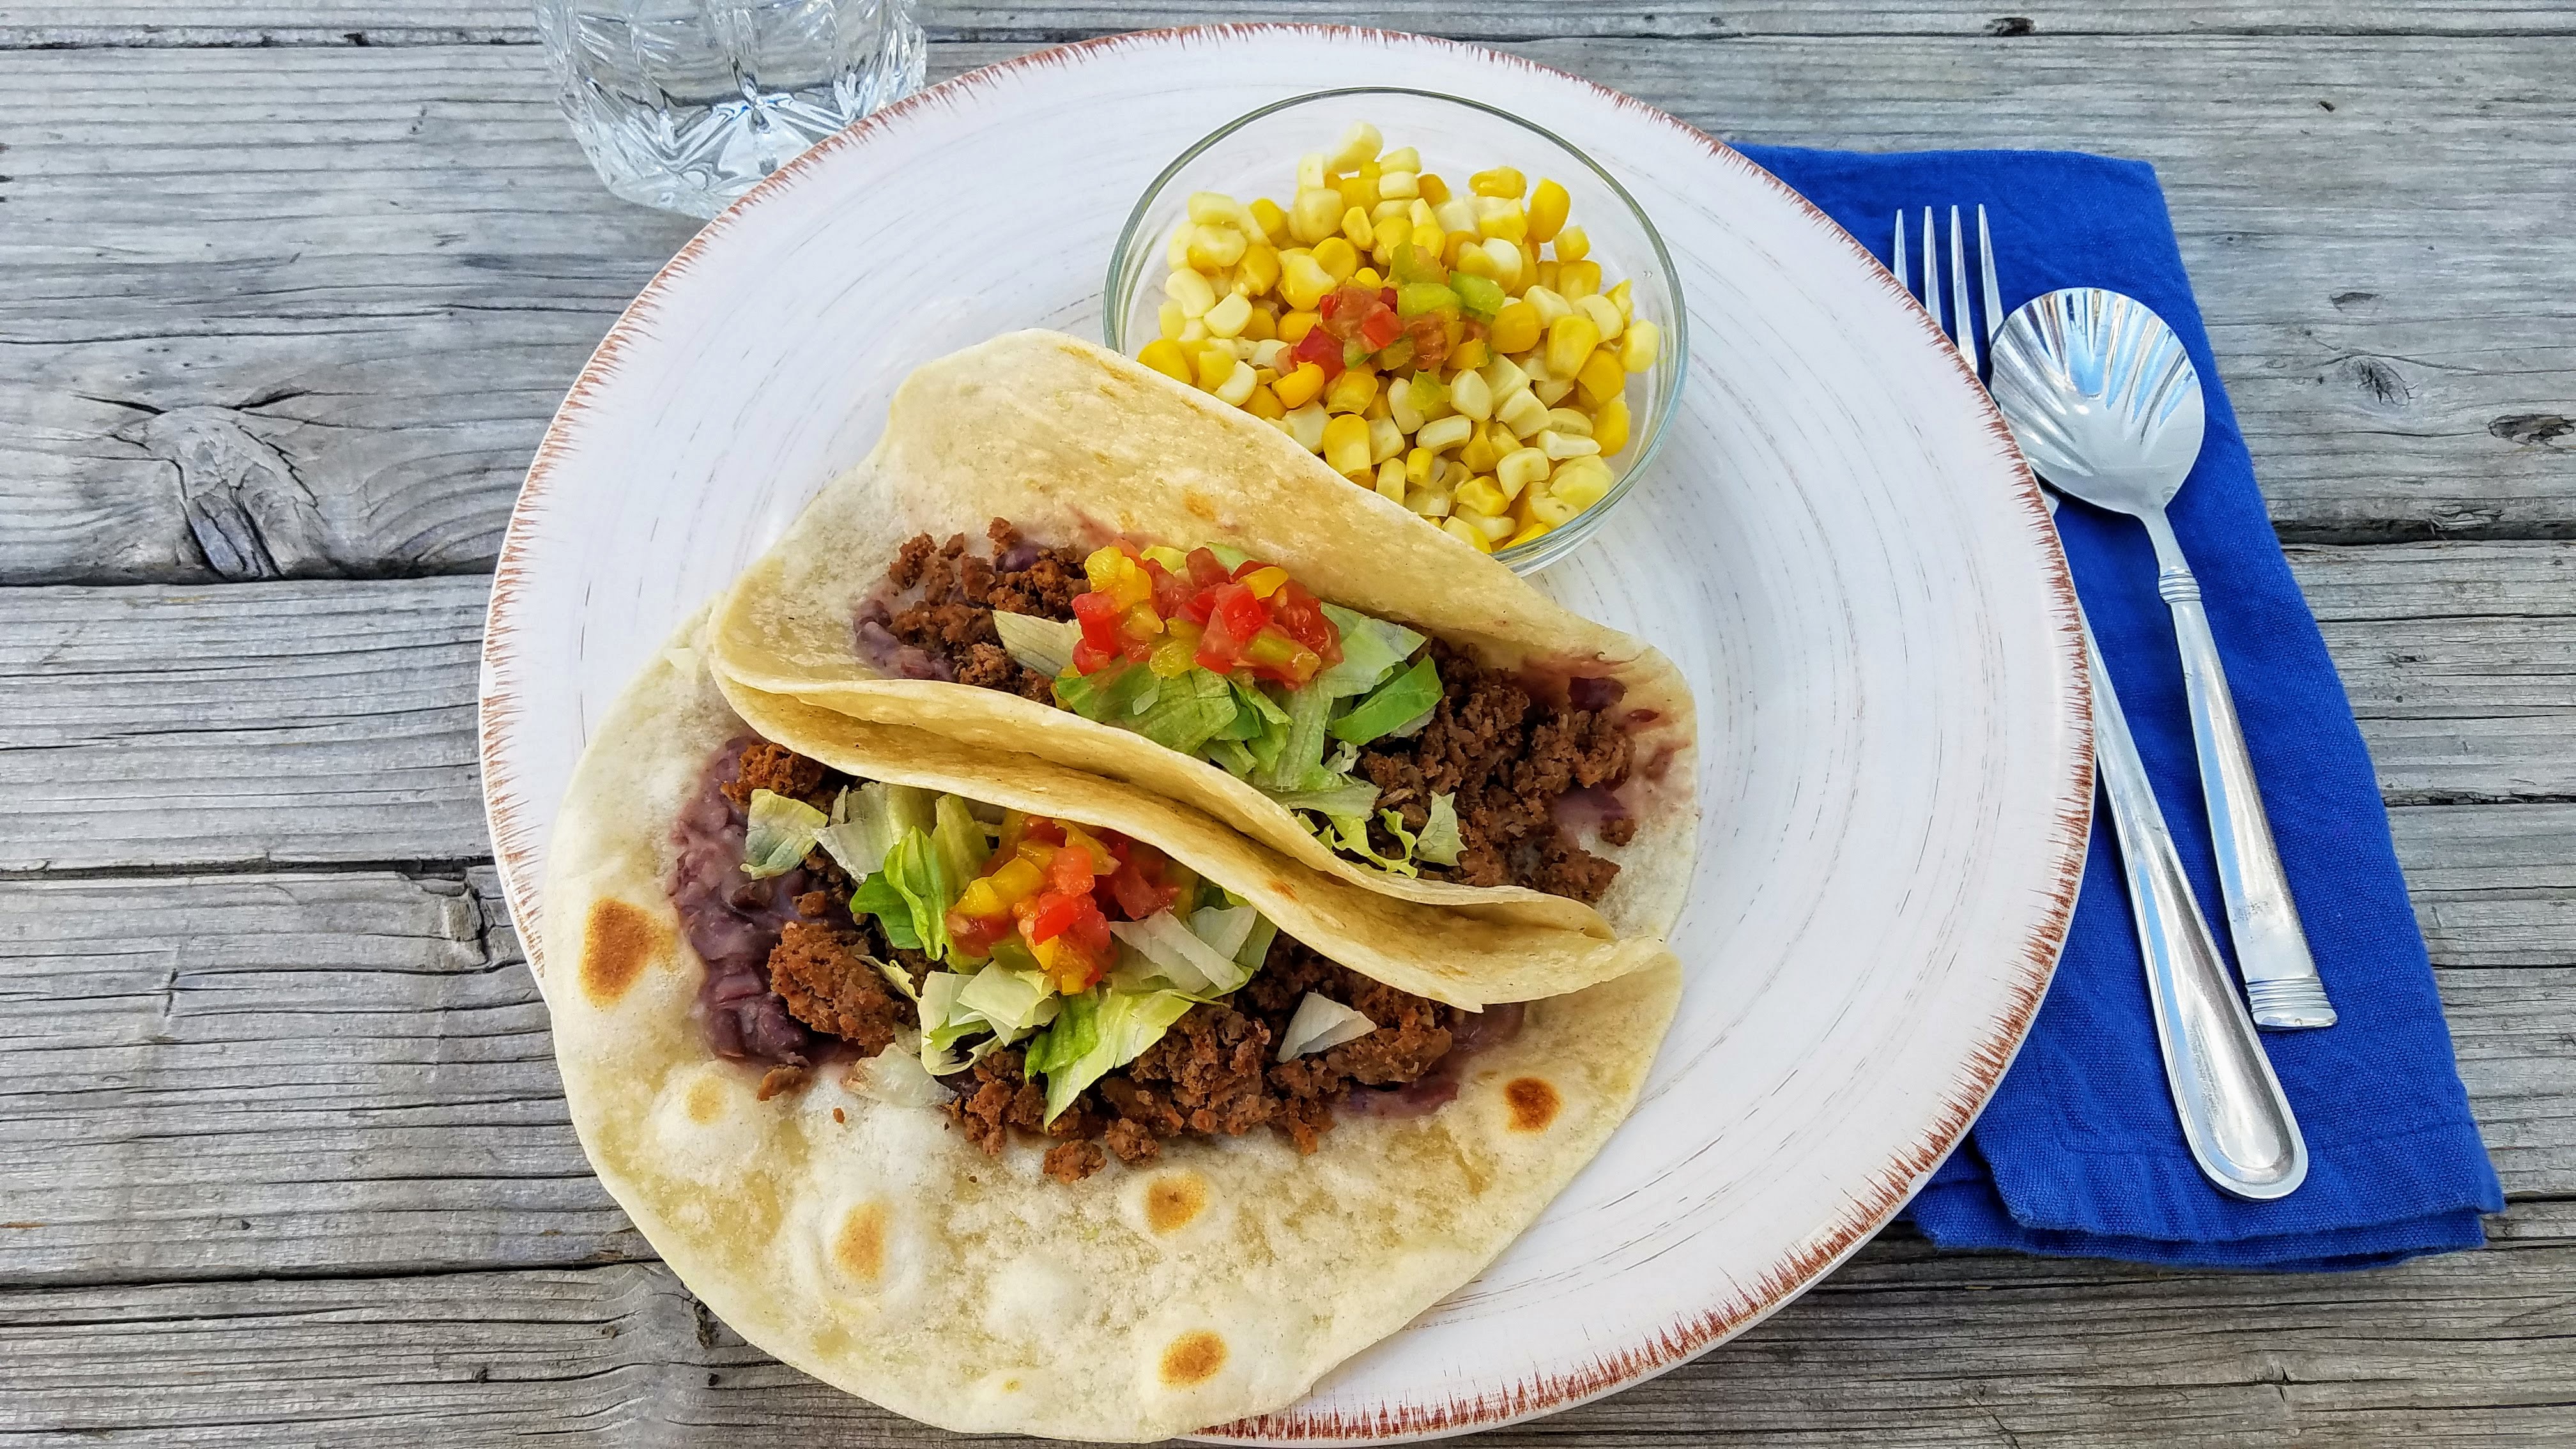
x=875, y=1248
x=1078, y=445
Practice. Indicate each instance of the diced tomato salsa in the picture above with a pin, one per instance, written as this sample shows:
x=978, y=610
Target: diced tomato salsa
x=1170, y=611
x=1056, y=886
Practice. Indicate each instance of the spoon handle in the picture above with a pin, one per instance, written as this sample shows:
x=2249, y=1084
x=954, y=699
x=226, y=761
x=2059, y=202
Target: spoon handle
x=2235, y=1118
x=2271, y=948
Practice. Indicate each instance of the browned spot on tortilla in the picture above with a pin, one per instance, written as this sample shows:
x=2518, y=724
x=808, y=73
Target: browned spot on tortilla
x=1533, y=1103
x=1283, y=887
x=1173, y=1199
x=706, y=1100
x=615, y=944
x=861, y=1247
x=1199, y=505
x=1193, y=1358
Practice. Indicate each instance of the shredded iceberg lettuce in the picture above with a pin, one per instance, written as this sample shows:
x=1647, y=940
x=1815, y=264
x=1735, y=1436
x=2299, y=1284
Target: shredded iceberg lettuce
x=1013, y=1003
x=1350, y=833
x=867, y=821
x=1045, y=645
x=1321, y=1024
x=1371, y=649
x=898, y=1079
x=1192, y=709
x=778, y=833
x=1395, y=703
x=1098, y=1032
x=1345, y=797
x=1180, y=956
x=1439, y=842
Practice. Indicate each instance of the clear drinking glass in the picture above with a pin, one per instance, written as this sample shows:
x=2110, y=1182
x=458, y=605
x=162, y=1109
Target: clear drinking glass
x=685, y=104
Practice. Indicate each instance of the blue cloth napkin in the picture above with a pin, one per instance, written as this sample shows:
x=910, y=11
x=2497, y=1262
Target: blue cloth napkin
x=2079, y=1153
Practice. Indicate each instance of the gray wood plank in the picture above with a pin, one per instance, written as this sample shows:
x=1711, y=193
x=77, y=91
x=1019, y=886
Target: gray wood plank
x=317, y=1073
x=316, y=325
x=375, y=22
x=1900, y=1346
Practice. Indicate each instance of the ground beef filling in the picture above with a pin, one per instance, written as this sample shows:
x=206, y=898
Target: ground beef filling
x=801, y=986
x=1509, y=755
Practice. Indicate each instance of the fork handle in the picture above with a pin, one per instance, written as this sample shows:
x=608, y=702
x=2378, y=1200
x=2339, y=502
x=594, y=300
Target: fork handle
x=2271, y=948
x=2235, y=1118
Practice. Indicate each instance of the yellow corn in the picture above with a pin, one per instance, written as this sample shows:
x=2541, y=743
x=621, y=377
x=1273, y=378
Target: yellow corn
x=1548, y=510
x=1337, y=257
x=1378, y=407
x=1547, y=209
x=1638, y=348
x=1260, y=271
x=1501, y=181
x=1467, y=533
x=1529, y=264
x=1507, y=261
x=1445, y=433
x=1480, y=454
x=1306, y=425
x=1165, y=356
x=1577, y=280
x=1469, y=355
x=1176, y=252
x=1386, y=440
x=1402, y=158
x=1431, y=502
x=1605, y=317
x=1499, y=218
x=1346, y=443
x=1434, y=190
x=1610, y=426
x=1479, y=495
x=1419, y=466
x=1192, y=291
x=1293, y=326
x=1298, y=388
x=1471, y=397
x=1515, y=328
x=1601, y=378
x=1314, y=214
x=1524, y=413
x=1272, y=219
x=1522, y=468
x=1570, y=339
x=1582, y=482
x=1570, y=422
x=1226, y=318
x=1398, y=186
x=1572, y=245
x=1352, y=392
x=1620, y=297
x=1261, y=326
x=1264, y=403
x=1356, y=226
x=1549, y=274
x=1474, y=260
x=1550, y=306
x=1168, y=320
x=1215, y=365
x=1215, y=248
x=1529, y=534
x=1359, y=191
x=1359, y=145
x=1390, y=479
x=1367, y=277
x=1427, y=237
x=1311, y=171
x=1303, y=281
x=1237, y=388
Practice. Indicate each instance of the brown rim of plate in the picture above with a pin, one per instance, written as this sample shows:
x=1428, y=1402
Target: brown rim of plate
x=1895, y=1182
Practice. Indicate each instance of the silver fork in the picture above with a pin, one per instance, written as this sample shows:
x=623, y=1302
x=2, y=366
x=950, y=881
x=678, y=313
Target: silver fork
x=2234, y=1115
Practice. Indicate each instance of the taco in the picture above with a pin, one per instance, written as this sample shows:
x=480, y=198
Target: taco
x=1033, y=1105
x=1172, y=594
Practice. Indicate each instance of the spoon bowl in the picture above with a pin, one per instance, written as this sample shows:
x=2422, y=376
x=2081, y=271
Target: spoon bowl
x=2101, y=396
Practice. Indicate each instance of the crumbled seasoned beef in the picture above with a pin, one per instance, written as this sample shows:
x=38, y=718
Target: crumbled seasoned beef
x=1507, y=758
x=945, y=630
x=783, y=1079
x=777, y=769
x=1070, y=1162
x=1134, y=1143
x=821, y=972
x=1209, y=1067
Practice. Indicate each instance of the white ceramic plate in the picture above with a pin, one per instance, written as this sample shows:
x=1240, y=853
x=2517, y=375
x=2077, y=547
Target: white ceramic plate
x=1839, y=546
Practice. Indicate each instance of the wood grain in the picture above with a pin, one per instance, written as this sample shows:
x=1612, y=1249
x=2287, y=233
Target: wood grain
x=339, y=300
x=1900, y=1346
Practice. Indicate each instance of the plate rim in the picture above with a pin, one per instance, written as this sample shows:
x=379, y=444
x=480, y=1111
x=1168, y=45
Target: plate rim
x=1656, y=1350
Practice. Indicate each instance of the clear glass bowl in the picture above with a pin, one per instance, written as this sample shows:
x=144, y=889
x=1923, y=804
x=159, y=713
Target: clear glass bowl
x=1256, y=156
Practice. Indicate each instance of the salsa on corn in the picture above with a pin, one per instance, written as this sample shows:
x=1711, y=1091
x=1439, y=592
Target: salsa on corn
x=1457, y=353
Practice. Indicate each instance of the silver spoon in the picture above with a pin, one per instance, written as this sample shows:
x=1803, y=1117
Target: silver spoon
x=2106, y=405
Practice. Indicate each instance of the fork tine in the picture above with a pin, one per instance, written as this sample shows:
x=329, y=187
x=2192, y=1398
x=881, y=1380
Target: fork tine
x=1932, y=272
x=1902, y=280
x=1963, y=316
x=1994, y=294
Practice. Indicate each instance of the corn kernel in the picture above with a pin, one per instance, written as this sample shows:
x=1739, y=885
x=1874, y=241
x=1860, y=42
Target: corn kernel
x=1469, y=355
x=1399, y=186
x=1402, y=158
x=1303, y=281
x=1610, y=426
x=1456, y=215
x=1547, y=208
x=1637, y=350
x=1262, y=325
x=1270, y=217
x=1359, y=191
x=1378, y=407
x=1529, y=265
x=1471, y=397
x=1420, y=467
x=1569, y=422
x=1570, y=339
x=1190, y=290
x=1357, y=227
x=1226, y=318
x=1266, y=356
x=1521, y=468
x=1236, y=389
x=1553, y=391
x=1402, y=407
x=1503, y=377
x=1306, y=424
x=1480, y=455
x=1433, y=502
x=1166, y=357
x=1550, y=306
x=1215, y=208
x=1176, y=252
x=1524, y=413
x=1386, y=440
x=1605, y=317
x=1495, y=529
x=1390, y=479
x=1215, y=365
x=1346, y=443
x=1578, y=280
x=1505, y=219
x=1260, y=270
x=1314, y=214
x=1550, y=275
x=1168, y=320
x=1506, y=257
x=1338, y=258
x=1516, y=327
x=1479, y=495
x=1392, y=211
x=1548, y=510
x=1434, y=190
x=1298, y=387
x=1215, y=248
x=1582, y=482
x=1311, y=171
x=1622, y=297
x=1475, y=261
x=1367, y=277
x=1561, y=446
x=1428, y=238
x=1572, y=245
x=1359, y=144
x=1601, y=377
x=1445, y=433
x=1293, y=326
x=1529, y=534
x=1352, y=392
x=1193, y=332
x=1501, y=181
x=1467, y=533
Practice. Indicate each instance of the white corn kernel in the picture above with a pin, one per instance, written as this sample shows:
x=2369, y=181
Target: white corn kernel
x=1310, y=170
x=1523, y=412
x=1402, y=158
x=1534, y=367
x=1359, y=147
x=1387, y=210
x=1581, y=483
x=1637, y=350
x=1503, y=377
x=1386, y=440
x=1479, y=497
x=1507, y=260
x=1306, y=425
x=1455, y=215
x=1418, y=211
x=1215, y=248
x=1550, y=306
x=1267, y=353
x=1193, y=331
x=1228, y=317
x=1569, y=422
x=1522, y=468
x=1314, y=215
x=1215, y=208
x=1431, y=502
x=1495, y=529
x=1390, y=479
x=1399, y=406
x=1445, y=433
x=1244, y=347
x=1398, y=185
x=1168, y=320
x=1467, y=533
x=1604, y=314
x=1551, y=510
x=1237, y=388
x=1554, y=390
x=1562, y=445
x=1192, y=291
x=1471, y=397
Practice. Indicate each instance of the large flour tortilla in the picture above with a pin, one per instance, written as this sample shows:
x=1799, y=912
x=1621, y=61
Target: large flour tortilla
x=1077, y=444
x=884, y=1254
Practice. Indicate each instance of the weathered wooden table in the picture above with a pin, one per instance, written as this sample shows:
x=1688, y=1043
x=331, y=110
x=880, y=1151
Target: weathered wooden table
x=288, y=289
